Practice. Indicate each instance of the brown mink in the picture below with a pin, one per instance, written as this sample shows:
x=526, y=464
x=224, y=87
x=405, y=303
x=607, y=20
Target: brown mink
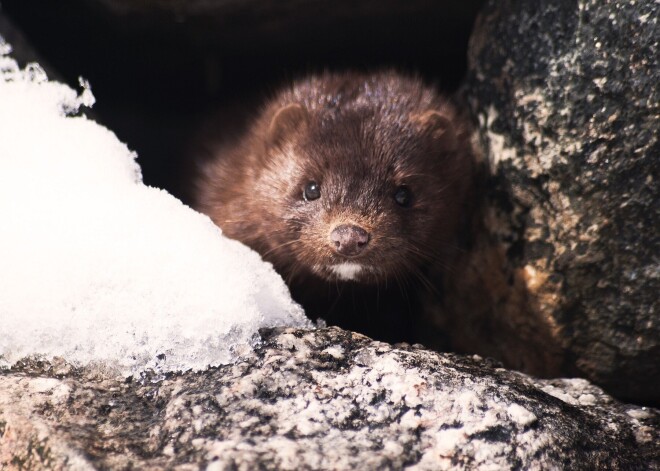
x=353, y=186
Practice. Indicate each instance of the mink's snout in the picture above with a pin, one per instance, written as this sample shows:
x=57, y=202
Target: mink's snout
x=349, y=240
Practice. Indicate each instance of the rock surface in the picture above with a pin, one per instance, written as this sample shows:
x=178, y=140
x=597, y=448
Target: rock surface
x=567, y=100
x=325, y=399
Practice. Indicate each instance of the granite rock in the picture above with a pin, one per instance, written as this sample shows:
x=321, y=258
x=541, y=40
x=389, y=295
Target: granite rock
x=565, y=278
x=324, y=399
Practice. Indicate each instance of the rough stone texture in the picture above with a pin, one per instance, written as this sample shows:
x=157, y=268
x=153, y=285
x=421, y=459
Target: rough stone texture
x=566, y=98
x=325, y=399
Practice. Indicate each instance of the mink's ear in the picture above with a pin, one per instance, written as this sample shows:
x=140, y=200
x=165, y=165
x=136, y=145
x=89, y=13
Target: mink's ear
x=286, y=121
x=438, y=126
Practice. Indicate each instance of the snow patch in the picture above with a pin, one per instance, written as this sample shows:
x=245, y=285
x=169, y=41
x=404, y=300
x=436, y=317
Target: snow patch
x=98, y=267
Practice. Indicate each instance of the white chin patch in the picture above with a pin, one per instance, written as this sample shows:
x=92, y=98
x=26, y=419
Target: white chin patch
x=346, y=271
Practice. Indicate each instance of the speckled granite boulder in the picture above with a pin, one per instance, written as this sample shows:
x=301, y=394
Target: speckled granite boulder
x=567, y=102
x=325, y=399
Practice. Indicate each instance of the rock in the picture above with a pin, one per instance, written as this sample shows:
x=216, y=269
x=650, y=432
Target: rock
x=325, y=399
x=567, y=276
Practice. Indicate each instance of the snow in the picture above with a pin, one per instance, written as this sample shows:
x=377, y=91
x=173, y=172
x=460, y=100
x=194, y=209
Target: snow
x=98, y=268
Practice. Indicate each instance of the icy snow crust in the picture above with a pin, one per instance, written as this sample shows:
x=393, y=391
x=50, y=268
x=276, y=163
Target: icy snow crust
x=97, y=267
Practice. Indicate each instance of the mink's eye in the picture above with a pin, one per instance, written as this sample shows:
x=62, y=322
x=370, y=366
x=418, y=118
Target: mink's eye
x=312, y=191
x=403, y=196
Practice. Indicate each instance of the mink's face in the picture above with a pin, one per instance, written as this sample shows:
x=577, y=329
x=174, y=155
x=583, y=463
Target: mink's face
x=362, y=199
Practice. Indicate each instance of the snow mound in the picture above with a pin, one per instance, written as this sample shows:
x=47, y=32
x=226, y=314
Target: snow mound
x=96, y=267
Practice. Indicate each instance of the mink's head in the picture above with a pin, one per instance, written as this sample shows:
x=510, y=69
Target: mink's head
x=362, y=178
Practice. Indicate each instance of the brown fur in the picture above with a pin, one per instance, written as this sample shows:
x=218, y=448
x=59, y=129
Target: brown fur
x=360, y=137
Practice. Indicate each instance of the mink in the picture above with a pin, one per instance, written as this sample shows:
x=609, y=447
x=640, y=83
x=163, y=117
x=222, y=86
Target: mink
x=353, y=186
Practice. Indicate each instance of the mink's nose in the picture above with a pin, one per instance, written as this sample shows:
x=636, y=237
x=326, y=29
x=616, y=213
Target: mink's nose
x=349, y=240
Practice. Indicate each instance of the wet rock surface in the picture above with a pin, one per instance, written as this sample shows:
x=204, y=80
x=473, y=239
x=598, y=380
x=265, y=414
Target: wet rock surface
x=325, y=399
x=567, y=103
